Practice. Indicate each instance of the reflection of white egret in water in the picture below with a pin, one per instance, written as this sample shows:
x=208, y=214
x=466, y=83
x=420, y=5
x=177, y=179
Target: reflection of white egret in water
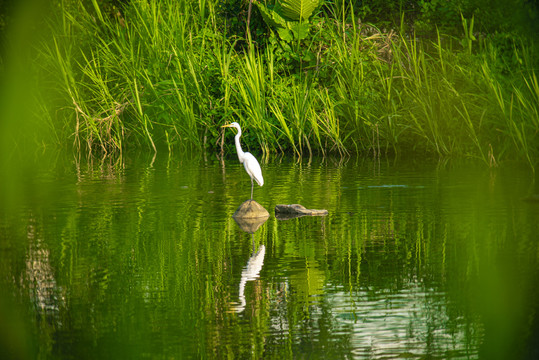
x=250, y=272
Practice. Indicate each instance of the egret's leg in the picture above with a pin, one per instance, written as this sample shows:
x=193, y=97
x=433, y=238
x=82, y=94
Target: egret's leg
x=252, y=186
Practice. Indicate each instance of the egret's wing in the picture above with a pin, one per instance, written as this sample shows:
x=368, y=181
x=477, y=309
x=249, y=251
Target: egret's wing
x=253, y=168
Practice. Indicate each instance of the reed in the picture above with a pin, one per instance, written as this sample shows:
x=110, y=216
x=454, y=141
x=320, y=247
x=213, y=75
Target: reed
x=252, y=97
x=168, y=73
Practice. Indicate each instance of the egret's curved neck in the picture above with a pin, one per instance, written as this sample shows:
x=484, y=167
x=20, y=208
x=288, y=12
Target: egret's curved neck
x=238, y=146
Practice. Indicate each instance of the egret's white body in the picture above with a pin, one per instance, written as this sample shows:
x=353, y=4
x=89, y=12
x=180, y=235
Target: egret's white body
x=249, y=162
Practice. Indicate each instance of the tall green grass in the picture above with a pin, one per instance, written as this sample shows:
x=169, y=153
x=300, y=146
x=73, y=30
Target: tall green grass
x=168, y=73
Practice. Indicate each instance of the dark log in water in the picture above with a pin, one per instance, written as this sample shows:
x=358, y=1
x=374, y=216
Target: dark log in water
x=296, y=210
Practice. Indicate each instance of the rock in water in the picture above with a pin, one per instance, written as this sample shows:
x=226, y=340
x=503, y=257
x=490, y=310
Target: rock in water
x=250, y=209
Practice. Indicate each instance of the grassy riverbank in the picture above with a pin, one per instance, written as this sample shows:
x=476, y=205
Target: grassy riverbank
x=168, y=74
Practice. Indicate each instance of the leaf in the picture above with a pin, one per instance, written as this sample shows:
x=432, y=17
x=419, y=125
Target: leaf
x=300, y=30
x=289, y=27
x=272, y=18
x=276, y=21
x=285, y=34
x=297, y=10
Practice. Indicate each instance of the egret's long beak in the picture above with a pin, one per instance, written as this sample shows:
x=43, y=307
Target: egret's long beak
x=227, y=125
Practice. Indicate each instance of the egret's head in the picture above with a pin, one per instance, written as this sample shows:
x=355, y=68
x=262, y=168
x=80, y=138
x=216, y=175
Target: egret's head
x=234, y=124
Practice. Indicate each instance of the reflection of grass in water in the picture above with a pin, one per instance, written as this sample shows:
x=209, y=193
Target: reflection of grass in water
x=145, y=254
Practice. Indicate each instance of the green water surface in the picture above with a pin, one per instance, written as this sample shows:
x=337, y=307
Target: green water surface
x=141, y=258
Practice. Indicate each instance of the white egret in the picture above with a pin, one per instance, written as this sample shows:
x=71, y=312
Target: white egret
x=247, y=159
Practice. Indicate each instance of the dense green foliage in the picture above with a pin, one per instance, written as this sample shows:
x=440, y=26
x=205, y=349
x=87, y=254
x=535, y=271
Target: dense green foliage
x=300, y=76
